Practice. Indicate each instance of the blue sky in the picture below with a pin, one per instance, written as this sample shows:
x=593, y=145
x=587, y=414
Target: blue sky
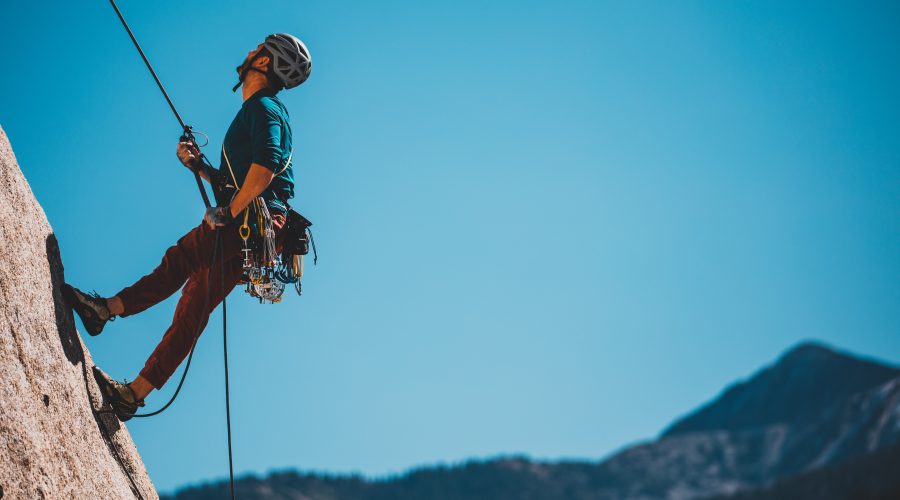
x=545, y=228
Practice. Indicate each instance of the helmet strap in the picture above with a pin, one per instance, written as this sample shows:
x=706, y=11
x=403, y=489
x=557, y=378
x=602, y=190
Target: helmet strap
x=248, y=68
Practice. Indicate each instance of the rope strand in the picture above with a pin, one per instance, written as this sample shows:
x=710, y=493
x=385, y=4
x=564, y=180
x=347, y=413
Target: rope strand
x=227, y=398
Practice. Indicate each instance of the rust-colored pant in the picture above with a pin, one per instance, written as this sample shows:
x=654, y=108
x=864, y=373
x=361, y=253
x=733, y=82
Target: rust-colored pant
x=188, y=260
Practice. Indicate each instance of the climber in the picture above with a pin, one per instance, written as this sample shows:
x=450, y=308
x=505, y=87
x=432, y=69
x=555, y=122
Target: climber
x=256, y=155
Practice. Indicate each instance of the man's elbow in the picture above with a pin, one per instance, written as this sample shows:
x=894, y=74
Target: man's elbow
x=260, y=172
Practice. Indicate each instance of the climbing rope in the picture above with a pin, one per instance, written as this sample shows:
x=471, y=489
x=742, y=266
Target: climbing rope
x=225, y=353
x=187, y=365
x=187, y=133
x=217, y=251
x=204, y=164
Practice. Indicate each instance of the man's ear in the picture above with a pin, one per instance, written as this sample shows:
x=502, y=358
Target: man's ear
x=261, y=62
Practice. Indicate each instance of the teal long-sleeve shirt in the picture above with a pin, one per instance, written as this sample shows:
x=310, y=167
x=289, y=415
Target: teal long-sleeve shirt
x=261, y=133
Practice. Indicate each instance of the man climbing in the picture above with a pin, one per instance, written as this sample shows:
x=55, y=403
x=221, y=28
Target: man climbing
x=256, y=159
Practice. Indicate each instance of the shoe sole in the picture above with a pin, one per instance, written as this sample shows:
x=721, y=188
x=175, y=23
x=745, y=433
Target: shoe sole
x=69, y=295
x=109, y=396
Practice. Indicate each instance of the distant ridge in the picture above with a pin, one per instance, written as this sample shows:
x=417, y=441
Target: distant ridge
x=872, y=476
x=803, y=383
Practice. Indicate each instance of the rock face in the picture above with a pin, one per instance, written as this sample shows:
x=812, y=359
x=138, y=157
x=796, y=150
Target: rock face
x=53, y=442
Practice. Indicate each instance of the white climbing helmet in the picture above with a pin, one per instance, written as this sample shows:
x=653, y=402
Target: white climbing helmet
x=291, y=61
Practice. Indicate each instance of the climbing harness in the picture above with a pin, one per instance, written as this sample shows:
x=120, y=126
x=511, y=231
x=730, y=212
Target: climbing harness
x=266, y=272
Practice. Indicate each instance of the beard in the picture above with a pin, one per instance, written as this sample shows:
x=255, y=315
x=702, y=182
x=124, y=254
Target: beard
x=246, y=67
x=242, y=66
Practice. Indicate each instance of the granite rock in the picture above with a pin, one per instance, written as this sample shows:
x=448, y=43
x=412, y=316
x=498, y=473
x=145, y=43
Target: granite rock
x=53, y=441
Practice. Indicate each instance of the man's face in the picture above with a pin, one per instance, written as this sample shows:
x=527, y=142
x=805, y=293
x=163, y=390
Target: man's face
x=248, y=59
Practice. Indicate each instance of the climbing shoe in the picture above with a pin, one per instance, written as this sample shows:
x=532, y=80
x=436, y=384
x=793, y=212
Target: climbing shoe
x=119, y=396
x=91, y=308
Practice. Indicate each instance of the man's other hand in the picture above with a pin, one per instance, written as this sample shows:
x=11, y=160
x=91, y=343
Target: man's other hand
x=217, y=216
x=188, y=154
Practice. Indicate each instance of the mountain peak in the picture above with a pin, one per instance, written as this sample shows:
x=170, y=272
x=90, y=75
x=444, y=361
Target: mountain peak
x=805, y=381
x=810, y=348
